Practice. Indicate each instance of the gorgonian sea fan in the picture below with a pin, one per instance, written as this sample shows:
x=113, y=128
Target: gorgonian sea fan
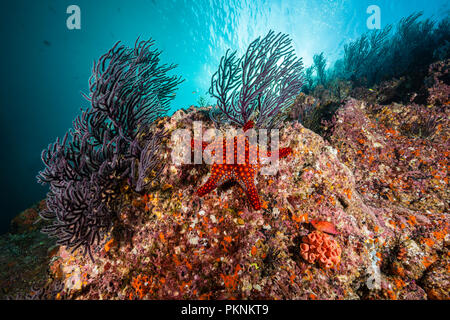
x=260, y=84
x=129, y=90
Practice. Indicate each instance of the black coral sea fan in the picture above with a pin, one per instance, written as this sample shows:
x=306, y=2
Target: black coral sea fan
x=260, y=84
x=129, y=89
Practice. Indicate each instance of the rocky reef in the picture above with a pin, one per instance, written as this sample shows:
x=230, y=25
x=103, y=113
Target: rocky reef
x=373, y=191
x=357, y=207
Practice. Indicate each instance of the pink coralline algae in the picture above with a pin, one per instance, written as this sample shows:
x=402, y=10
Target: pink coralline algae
x=321, y=248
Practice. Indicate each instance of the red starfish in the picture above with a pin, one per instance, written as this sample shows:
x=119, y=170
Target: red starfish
x=241, y=171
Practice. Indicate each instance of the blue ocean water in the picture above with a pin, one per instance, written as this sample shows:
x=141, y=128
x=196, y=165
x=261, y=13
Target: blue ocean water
x=45, y=66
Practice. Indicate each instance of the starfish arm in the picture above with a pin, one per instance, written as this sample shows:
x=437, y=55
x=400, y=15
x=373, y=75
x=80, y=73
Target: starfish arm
x=211, y=183
x=246, y=180
x=282, y=153
x=204, y=144
x=252, y=195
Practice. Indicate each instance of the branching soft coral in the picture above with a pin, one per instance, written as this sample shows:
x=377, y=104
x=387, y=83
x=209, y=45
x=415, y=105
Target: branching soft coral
x=260, y=84
x=129, y=90
x=321, y=248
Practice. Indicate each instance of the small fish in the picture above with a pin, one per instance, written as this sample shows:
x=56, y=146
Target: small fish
x=194, y=92
x=47, y=43
x=324, y=226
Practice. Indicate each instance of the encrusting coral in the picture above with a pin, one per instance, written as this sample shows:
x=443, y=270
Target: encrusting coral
x=321, y=248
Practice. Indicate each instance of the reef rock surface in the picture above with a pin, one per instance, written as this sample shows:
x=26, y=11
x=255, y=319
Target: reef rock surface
x=382, y=185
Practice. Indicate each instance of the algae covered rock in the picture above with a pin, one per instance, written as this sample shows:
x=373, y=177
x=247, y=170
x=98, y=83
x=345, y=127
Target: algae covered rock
x=383, y=190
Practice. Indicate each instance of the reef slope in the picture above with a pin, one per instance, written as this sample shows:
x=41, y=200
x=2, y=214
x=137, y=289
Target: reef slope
x=382, y=184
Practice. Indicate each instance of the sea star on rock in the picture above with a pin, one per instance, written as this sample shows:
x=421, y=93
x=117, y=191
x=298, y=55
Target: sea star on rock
x=241, y=170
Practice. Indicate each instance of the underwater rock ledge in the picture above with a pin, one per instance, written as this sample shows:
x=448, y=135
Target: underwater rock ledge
x=389, y=211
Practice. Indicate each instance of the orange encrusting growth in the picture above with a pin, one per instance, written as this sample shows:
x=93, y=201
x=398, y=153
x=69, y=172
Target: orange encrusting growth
x=321, y=248
x=141, y=285
x=242, y=170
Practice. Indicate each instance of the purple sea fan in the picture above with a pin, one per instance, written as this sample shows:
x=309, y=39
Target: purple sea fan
x=149, y=165
x=260, y=84
x=129, y=89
